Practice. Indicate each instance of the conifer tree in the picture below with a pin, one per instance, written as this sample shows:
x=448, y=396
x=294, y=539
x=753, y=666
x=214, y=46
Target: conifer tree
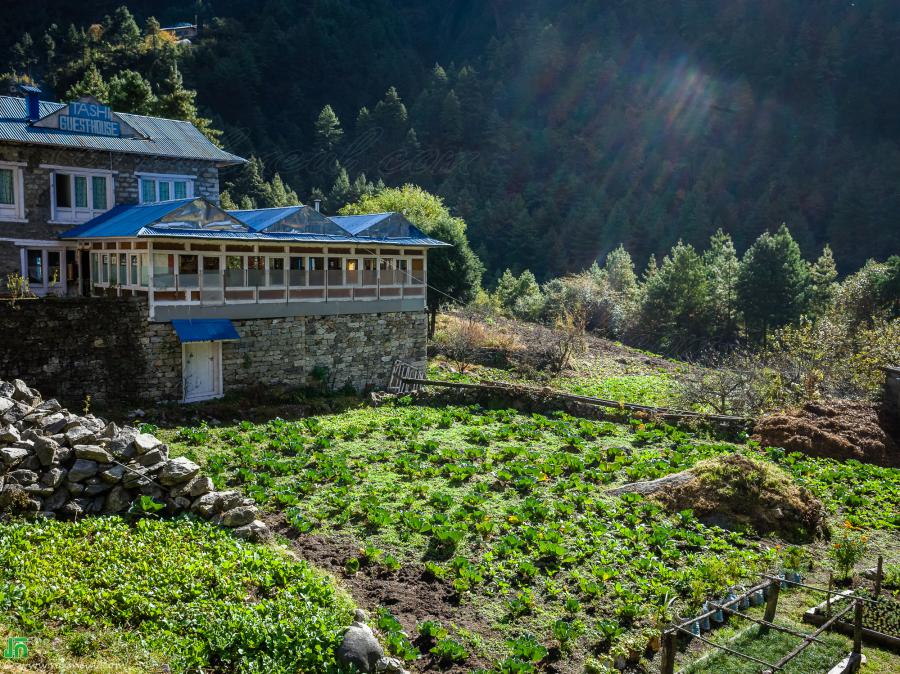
x=773, y=283
x=822, y=277
x=130, y=92
x=91, y=84
x=722, y=268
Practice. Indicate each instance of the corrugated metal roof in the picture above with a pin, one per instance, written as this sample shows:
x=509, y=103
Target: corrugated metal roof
x=197, y=218
x=164, y=137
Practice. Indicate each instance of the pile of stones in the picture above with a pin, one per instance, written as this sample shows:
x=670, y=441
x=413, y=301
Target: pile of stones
x=57, y=464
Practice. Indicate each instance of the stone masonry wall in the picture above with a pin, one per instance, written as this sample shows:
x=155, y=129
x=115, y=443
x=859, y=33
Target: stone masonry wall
x=37, y=187
x=107, y=348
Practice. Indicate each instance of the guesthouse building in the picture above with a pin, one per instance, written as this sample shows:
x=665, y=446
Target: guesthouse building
x=101, y=206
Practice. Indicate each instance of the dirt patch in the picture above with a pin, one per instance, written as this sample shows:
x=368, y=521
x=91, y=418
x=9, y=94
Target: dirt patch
x=407, y=593
x=736, y=492
x=836, y=429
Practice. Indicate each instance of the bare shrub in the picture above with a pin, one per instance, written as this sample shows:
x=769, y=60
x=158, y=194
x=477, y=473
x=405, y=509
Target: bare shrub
x=461, y=339
x=568, y=340
x=735, y=383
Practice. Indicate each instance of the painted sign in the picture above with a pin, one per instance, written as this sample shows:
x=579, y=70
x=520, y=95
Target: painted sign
x=16, y=648
x=86, y=117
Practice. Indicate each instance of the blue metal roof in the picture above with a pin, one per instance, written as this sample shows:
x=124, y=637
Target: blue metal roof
x=197, y=218
x=161, y=137
x=204, y=330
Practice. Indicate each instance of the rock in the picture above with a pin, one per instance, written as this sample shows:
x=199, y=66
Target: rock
x=53, y=477
x=22, y=477
x=256, y=531
x=134, y=477
x=117, y=500
x=53, y=423
x=198, y=486
x=93, y=453
x=97, y=488
x=56, y=500
x=181, y=503
x=75, y=508
x=75, y=488
x=24, y=394
x=83, y=469
x=120, y=449
x=9, y=434
x=38, y=490
x=230, y=499
x=359, y=648
x=177, y=471
x=5, y=405
x=110, y=431
x=50, y=406
x=46, y=450
x=10, y=456
x=150, y=458
x=113, y=475
x=205, y=505
x=144, y=442
x=390, y=666
x=237, y=517
x=79, y=435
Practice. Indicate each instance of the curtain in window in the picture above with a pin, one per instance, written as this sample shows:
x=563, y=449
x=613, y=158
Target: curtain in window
x=81, y=196
x=148, y=191
x=98, y=189
x=180, y=189
x=7, y=195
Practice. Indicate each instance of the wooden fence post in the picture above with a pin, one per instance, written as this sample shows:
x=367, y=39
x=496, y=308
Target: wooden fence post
x=857, y=627
x=771, y=604
x=878, y=572
x=828, y=596
x=667, y=664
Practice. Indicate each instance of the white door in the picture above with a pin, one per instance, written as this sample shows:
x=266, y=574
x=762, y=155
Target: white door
x=202, y=367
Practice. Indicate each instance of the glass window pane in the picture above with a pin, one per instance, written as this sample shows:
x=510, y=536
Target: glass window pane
x=81, y=197
x=35, y=266
x=188, y=270
x=95, y=267
x=7, y=194
x=148, y=191
x=163, y=270
x=145, y=271
x=54, y=273
x=98, y=193
x=164, y=191
x=113, y=269
x=134, y=270
x=180, y=189
x=104, y=268
x=123, y=270
x=63, y=190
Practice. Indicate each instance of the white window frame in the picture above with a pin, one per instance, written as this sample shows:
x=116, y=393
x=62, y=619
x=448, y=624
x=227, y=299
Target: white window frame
x=171, y=179
x=14, y=212
x=73, y=213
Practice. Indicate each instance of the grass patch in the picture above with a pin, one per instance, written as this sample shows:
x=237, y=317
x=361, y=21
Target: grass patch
x=177, y=592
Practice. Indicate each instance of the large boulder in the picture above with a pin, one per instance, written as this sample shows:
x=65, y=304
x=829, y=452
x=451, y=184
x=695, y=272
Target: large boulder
x=178, y=471
x=359, y=647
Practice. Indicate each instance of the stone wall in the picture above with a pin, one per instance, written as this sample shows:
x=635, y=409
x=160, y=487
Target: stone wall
x=107, y=348
x=37, y=187
x=57, y=464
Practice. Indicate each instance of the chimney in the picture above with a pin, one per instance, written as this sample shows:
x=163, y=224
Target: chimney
x=32, y=101
x=317, y=204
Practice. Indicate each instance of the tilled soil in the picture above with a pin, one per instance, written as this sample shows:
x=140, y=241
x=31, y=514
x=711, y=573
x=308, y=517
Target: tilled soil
x=407, y=593
x=836, y=429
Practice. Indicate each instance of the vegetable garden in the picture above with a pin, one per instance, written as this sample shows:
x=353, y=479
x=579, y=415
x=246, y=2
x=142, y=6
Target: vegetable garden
x=508, y=513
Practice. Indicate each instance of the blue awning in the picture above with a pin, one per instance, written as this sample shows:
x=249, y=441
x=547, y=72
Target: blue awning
x=205, y=330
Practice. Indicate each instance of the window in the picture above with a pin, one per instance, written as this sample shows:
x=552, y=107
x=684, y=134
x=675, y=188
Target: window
x=234, y=271
x=145, y=271
x=418, y=271
x=352, y=266
x=54, y=268
x=123, y=269
x=113, y=269
x=317, y=271
x=163, y=270
x=188, y=270
x=79, y=196
x=95, y=268
x=11, y=199
x=256, y=270
x=370, y=271
x=276, y=271
x=162, y=187
x=35, y=266
x=104, y=268
x=133, y=279
x=211, y=266
x=298, y=270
